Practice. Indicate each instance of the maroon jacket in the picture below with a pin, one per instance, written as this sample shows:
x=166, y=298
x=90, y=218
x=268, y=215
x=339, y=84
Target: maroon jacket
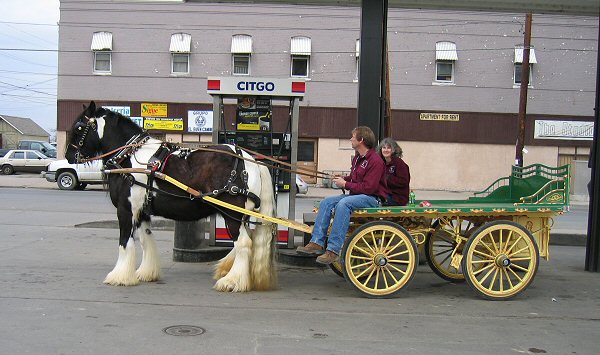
x=397, y=177
x=366, y=176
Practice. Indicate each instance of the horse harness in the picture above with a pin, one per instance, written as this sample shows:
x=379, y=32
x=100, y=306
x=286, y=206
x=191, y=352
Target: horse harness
x=157, y=163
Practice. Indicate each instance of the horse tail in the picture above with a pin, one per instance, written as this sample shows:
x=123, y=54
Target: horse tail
x=264, y=276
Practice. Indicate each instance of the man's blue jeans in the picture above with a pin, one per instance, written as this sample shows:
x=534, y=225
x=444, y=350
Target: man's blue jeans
x=343, y=206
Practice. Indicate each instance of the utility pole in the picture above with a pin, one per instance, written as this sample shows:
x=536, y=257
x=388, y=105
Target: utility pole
x=523, y=97
x=387, y=125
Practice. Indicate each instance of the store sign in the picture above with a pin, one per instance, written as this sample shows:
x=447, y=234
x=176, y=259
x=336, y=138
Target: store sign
x=154, y=110
x=200, y=121
x=256, y=86
x=439, y=116
x=570, y=130
x=165, y=124
x=138, y=121
x=253, y=114
x=123, y=110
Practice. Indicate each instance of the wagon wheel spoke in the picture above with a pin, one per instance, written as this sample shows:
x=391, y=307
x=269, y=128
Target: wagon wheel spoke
x=491, y=237
x=397, y=269
x=483, y=254
x=360, y=265
x=487, y=275
x=365, y=252
x=373, y=268
x=365, y=271
x=513, y=245
x=397, y=254
x=520, y=250
x=520, y=259
x=508, y=278
x=515, y=274
x=507, y=242
x=369, y=246
x=493, y=280
x=518, y=267
x=391, y=274
x=475, y=273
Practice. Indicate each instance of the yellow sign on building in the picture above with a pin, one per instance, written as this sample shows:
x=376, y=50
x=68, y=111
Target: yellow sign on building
x=439, y=116
x=154, y=110
x=166, y=124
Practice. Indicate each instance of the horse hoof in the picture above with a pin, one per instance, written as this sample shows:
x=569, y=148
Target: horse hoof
x=113, y=281
x=145, y=276
x=227, y=285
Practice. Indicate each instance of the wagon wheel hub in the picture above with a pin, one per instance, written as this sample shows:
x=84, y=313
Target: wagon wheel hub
x=502, y=260
x=380, y=260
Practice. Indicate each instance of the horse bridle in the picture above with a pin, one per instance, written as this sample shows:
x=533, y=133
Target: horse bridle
x=91, y=123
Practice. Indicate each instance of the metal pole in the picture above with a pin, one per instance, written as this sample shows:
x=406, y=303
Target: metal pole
x=523, y=97
x=592, y=251
x=373, y=15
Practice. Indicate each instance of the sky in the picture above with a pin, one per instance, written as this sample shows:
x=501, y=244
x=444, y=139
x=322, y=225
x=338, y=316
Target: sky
x=28, y=60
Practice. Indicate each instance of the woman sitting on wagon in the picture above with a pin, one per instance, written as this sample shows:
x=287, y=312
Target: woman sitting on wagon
x=397, y=173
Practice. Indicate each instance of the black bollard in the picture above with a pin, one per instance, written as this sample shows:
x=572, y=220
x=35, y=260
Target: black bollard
x=191, y=246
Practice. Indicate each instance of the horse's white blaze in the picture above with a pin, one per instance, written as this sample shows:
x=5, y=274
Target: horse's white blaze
x=238, y=278
x=101, y=123
x=149, y=269
x=124, y=272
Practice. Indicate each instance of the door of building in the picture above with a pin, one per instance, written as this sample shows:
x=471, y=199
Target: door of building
x=307, y=157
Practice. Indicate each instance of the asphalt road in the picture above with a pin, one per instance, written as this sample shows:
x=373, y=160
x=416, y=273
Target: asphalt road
x=53, y=300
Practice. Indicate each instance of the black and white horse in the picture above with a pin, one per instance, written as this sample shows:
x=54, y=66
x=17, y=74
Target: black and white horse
x=249, y=266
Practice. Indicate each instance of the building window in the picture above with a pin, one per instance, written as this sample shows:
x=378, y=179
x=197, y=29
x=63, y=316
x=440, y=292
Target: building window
x=444, y=71
x=180, y=49
x=300, y=65
x=519, y=65
x=241, y=51
x=241, y=64
x=445, y=57
x=357, y=59
x=102, y=47
x=102, y=62
x=300, y=50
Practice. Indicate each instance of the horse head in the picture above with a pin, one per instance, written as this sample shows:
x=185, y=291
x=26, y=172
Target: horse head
x=83, y=139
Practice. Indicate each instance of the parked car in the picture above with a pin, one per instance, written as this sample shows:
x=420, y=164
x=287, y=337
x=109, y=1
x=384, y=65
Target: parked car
x=74, y=176
x=44, y=147
x=3, y=152
x=24, y=160
x=301, y=186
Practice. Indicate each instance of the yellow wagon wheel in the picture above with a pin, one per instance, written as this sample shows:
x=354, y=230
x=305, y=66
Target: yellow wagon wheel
x=500, y=260
x=379, y=259
x=337, y=268
x=444, y=246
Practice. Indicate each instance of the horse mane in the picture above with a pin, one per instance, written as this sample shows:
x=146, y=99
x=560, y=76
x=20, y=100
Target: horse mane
x=123, y=122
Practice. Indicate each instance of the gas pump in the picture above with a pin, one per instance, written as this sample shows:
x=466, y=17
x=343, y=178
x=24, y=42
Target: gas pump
x=253, y=129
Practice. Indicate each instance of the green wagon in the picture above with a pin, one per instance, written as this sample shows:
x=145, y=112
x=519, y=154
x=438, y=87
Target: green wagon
x=493, y=239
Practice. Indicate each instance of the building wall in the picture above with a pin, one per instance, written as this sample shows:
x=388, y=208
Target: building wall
x=479, y=147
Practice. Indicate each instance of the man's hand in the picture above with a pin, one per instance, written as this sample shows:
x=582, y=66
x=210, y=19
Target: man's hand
x=339, y=182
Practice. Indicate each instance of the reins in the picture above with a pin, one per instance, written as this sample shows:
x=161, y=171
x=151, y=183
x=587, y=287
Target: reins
x=298, y=170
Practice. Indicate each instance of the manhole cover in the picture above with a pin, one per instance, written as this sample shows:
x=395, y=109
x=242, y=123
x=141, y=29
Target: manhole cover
x=184, y=330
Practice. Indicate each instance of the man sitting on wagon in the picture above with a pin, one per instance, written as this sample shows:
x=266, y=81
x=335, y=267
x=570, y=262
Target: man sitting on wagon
x=367, y=188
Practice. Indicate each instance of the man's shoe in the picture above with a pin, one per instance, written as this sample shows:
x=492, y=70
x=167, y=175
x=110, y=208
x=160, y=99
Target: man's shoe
x=327, y=258
x=310, y=249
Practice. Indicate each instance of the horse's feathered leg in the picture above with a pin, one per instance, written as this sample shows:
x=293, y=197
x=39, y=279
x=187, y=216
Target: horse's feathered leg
x=264, y=276
x=238, y=278
x=149, y=269
x=225, y=264
x=123, y=273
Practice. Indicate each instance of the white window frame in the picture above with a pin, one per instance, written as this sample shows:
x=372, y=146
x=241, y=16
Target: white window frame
x=187, y=57
x=295, y=58
x=102, y=71
x=437, y=64
x=240, y=55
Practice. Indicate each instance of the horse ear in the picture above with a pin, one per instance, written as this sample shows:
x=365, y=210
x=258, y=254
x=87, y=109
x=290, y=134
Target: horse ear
x=90, y=110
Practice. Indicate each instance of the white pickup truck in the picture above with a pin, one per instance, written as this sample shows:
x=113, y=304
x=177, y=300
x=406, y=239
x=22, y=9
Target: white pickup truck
x=74, y=176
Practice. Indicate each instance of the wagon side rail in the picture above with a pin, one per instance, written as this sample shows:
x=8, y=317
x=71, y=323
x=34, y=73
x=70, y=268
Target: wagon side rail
x=554, y=191
x=503, y=181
